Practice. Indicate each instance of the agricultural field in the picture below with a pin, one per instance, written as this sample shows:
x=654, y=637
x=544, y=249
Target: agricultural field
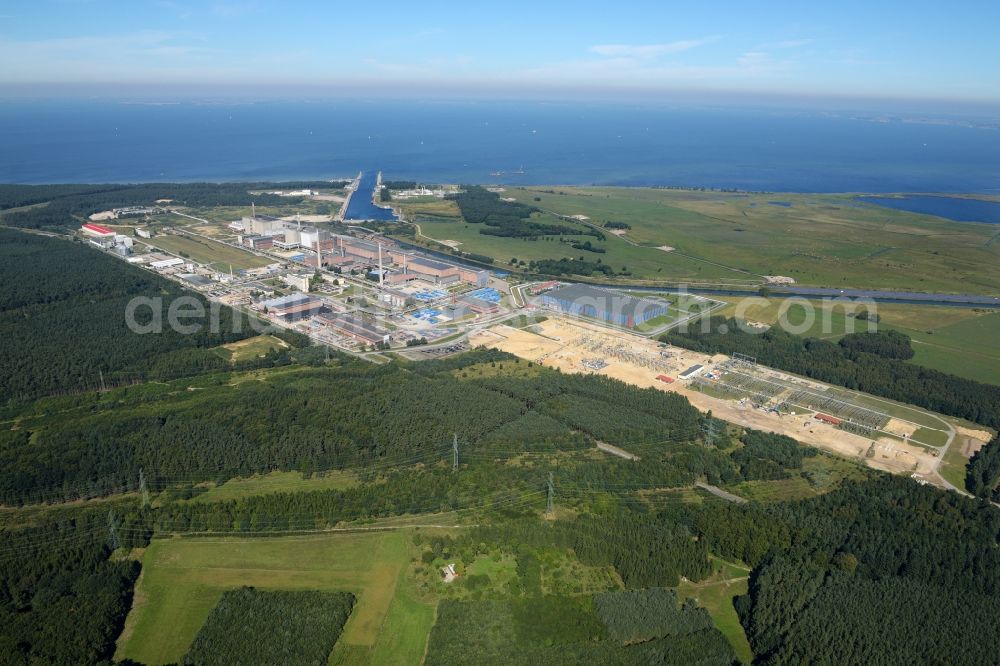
x=216, y=255
x=821, y=240
x=184, y=578
x=956, y=340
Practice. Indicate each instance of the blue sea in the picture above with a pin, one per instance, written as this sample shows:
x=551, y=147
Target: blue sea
x=952, y=208
x=552, y=143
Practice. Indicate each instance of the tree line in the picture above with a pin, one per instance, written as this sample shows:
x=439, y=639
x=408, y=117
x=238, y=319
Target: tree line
x=509, y=219
x=982, y=477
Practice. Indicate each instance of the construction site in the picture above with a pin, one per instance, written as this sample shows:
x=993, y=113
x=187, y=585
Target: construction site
x=894, y=438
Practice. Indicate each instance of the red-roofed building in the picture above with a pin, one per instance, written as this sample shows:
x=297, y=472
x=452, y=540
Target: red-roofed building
x=97, y=231
x=825, y=418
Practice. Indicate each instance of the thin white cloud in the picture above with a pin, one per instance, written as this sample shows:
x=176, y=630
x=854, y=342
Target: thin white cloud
x=787, y=44
x=233, y=9
x=648, y=51
x=750, y=65
x=90, y=57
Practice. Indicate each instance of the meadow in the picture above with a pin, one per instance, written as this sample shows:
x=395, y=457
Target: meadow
x=646, y=263
x=823, y=240
x=184, y=578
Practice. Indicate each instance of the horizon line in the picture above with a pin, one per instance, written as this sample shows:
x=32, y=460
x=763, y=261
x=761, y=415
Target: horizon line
x=625, y=94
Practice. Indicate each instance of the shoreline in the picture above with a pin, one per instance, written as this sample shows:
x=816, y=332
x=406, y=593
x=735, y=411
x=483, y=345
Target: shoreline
x=981, y=195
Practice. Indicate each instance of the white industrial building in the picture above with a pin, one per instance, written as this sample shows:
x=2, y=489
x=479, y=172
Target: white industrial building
x=167, y=263
x=298, y=281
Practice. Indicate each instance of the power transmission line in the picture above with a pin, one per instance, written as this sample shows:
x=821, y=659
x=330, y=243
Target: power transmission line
x=550, y=506
x=143, y=491
x=113, y=539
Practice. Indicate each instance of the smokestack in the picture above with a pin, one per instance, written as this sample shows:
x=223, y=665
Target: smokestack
x=380, y=274
x=319, y=253
x=253, y=210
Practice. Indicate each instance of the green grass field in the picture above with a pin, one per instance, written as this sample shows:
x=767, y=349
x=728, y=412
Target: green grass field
x=204, y=251
x=251, y=348
x=715, y=594
x=826, y=240
x=643, y=262
x=954, y=464
x=183, y=579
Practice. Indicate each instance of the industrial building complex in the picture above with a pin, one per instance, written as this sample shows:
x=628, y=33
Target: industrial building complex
x=347, y=286
x=357, y=290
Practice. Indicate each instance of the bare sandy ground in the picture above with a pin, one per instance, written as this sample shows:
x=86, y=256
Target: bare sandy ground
x=982, y=435
x=901, y=428
x=565, y=344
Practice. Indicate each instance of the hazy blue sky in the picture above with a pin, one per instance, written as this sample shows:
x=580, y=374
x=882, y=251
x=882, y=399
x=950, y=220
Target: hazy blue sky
x=884, y=48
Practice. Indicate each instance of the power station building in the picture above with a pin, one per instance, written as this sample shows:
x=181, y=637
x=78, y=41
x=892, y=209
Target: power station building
x=605, y=304
x=292, y=307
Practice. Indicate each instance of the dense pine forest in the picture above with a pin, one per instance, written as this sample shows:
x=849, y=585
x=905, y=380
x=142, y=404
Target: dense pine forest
x=575, y=630
x=63, y=321
x=983, y=473
x=878, y=572
x=868, y=362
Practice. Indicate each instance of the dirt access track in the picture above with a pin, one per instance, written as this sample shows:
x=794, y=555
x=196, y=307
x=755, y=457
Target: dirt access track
x=566, y=344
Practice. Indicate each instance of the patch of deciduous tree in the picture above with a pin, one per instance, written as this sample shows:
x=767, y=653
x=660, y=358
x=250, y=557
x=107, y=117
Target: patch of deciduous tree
x=61, y=600
x=251, y=626
x=633, y=616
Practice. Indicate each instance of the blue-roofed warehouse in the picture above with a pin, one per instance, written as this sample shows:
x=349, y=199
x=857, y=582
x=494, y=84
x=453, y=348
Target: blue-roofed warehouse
x=610, y=306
